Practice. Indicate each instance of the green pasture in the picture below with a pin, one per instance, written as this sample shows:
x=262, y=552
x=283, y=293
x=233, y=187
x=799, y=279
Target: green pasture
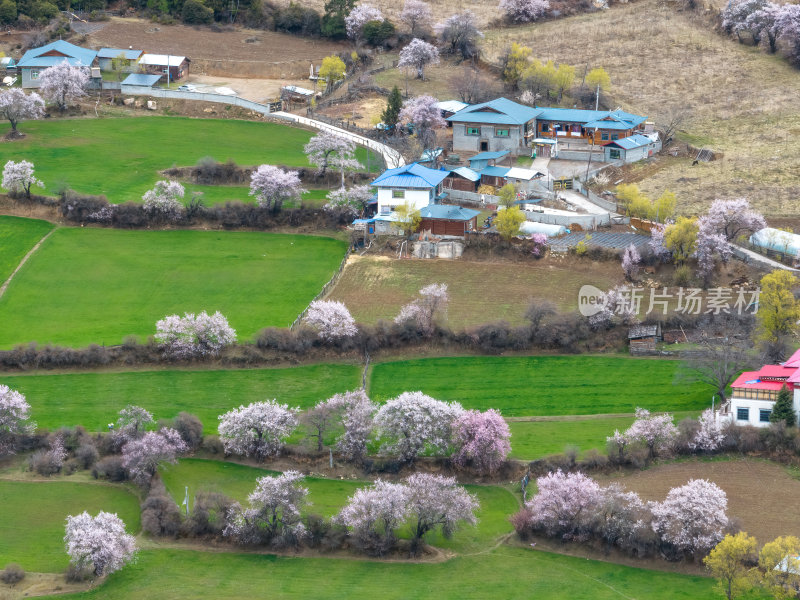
x=328, y=496
x=94, y=399
x=544, y=385
x=505, y=572
x=122, y=157
x=33, y=516
x=97, y=286
x=220, y=194
x=17, y=237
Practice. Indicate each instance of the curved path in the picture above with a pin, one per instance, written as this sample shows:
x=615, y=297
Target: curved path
x=25, y=258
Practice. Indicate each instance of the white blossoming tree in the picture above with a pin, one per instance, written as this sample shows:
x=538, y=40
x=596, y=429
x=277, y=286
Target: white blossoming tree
x=327, y=150
x=272, y=186
x=373, y=515
x=424, y=311
x=417, y=54
x=360, y=16
x=141, y=457
x=164, y=200
x=14, y=418
x=99, y=544
x=18, y=178
x=331, y=320
x=63, y=83
x=193, y=336
x=524, y=11
x=413, y=422
x=416, y=14
x=16, y=106
x=352, y=201
x=259, y=429
x=709, y=436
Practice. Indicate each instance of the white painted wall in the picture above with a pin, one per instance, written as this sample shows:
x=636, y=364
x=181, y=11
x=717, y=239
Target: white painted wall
x=755, y=407
x=418, y=197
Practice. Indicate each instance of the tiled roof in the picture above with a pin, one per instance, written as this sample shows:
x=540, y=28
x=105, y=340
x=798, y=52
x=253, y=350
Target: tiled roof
x=410, y=176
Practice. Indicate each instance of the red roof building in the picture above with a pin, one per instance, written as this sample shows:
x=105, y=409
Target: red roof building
x=754, y=392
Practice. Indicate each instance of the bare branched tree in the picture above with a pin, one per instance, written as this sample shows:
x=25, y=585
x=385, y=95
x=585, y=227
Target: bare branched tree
x=672, y=121
x=473, y=86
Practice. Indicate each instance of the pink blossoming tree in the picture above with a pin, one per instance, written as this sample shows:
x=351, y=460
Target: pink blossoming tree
x=330, y=150
x=657, y=432
x=360, y=16
x=373, y=515
x=141, y=456
x=631, y=259
x=259, y=429
x=273, y=515
x=564, y=504
x=132, y=423
x=164, y=200
x=425, y=116
x=352, y=201
x=18, y=178
x=98, y=544
x=709, y=436
x=16, y=106
x=692, y=519
x=192, y=336
x=63, y=84
x=272, y=186
x=482, y=438
x=356, y=415
x=416, y=14
x=424, y=311
x=417, y=54
x=413, y=422
x=331, y=320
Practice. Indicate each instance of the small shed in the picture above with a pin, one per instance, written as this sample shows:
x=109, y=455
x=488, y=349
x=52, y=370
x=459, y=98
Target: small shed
x=128, y=59
x=295, y=93
x=441, y=219
x=545, y=147
x=642, y=339
x=141, y=80
x=632, y=148
x=171, y=66
x=450, y=107
x=7, y=64
x=487, y=159
x=494, y=176
x=462, y=178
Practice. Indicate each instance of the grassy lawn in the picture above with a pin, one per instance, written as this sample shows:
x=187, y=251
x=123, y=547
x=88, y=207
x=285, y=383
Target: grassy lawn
x=220, y=194
x=534, y=439
x=376, y=288
x=108, y=284
x=507, y=573
x=33, y=516
x=543, y=385
x=126, y=154
x=17, y=236
x=94, y=399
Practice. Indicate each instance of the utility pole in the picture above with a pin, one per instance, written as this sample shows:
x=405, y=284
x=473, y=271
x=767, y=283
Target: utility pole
x=597, y=98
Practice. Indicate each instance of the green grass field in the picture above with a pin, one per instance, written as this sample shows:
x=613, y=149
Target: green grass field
x=33, y=515
x=327, y=496
x=543, y=385
x=507, y=573
x=104, y=284
x=94, y=399
x=220, y=194
x=17, y=237
x=121, y=157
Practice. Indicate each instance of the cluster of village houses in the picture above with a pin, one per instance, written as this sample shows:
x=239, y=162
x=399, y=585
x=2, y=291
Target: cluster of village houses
x=142, y=69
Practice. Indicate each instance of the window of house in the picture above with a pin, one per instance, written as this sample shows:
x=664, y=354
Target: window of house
x=614, y=136
x=613, y=154
x=500, y=132
x=34, y=74
x=604, y=137
x=398, y=194
x=473, y=130
x=742, y=414
x=545, y=127
x=763, y=415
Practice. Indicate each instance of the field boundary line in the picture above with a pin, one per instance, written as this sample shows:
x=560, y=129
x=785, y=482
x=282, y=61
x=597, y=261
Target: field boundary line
x=24, y=260
x=325, y=289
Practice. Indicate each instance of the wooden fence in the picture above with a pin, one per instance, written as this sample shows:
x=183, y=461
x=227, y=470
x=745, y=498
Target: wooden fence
x=325, y=289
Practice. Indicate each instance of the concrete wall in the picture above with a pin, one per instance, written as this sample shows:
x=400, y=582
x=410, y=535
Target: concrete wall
x=449, y=249
x=594, y=198
x=755, y=406
x=419, y=198
x=27, y=82
x=472, y=143
x=585, y=221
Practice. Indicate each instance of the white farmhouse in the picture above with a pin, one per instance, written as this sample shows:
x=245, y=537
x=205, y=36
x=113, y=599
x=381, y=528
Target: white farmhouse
x=754, y=393
x=412, y=184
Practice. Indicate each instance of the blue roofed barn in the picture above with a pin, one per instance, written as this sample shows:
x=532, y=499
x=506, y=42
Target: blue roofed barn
x=442, y=219
x=632, y=148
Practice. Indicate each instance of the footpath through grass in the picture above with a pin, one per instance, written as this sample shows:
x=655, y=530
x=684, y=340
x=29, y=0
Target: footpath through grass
x=98, y=286
x=94, y=399
x=17, y=236
x=33, y=516
x=544, y=385
x=121, y=157
x=507, y=573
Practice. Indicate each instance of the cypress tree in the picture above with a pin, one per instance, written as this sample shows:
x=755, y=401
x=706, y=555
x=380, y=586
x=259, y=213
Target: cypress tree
x=391, y=115
x=783, y=409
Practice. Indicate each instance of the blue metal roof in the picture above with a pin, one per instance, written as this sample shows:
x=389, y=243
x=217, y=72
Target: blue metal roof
x=444, y=211
x=630, y=142
x=501, y=110
x=489, y=155
x=115, y=52
x=410, y=176
x=465, y=172
x=495, y=171
x=141, y=79
x=592, y=118
x=74, y=55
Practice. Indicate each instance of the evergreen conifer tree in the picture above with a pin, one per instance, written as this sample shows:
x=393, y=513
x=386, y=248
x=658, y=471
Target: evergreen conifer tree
x=783, y=409
x=394, y=104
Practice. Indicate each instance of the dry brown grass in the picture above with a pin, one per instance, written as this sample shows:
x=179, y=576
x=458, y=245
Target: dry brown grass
x=738, y=100
x=761, y=494
x=376, y=287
